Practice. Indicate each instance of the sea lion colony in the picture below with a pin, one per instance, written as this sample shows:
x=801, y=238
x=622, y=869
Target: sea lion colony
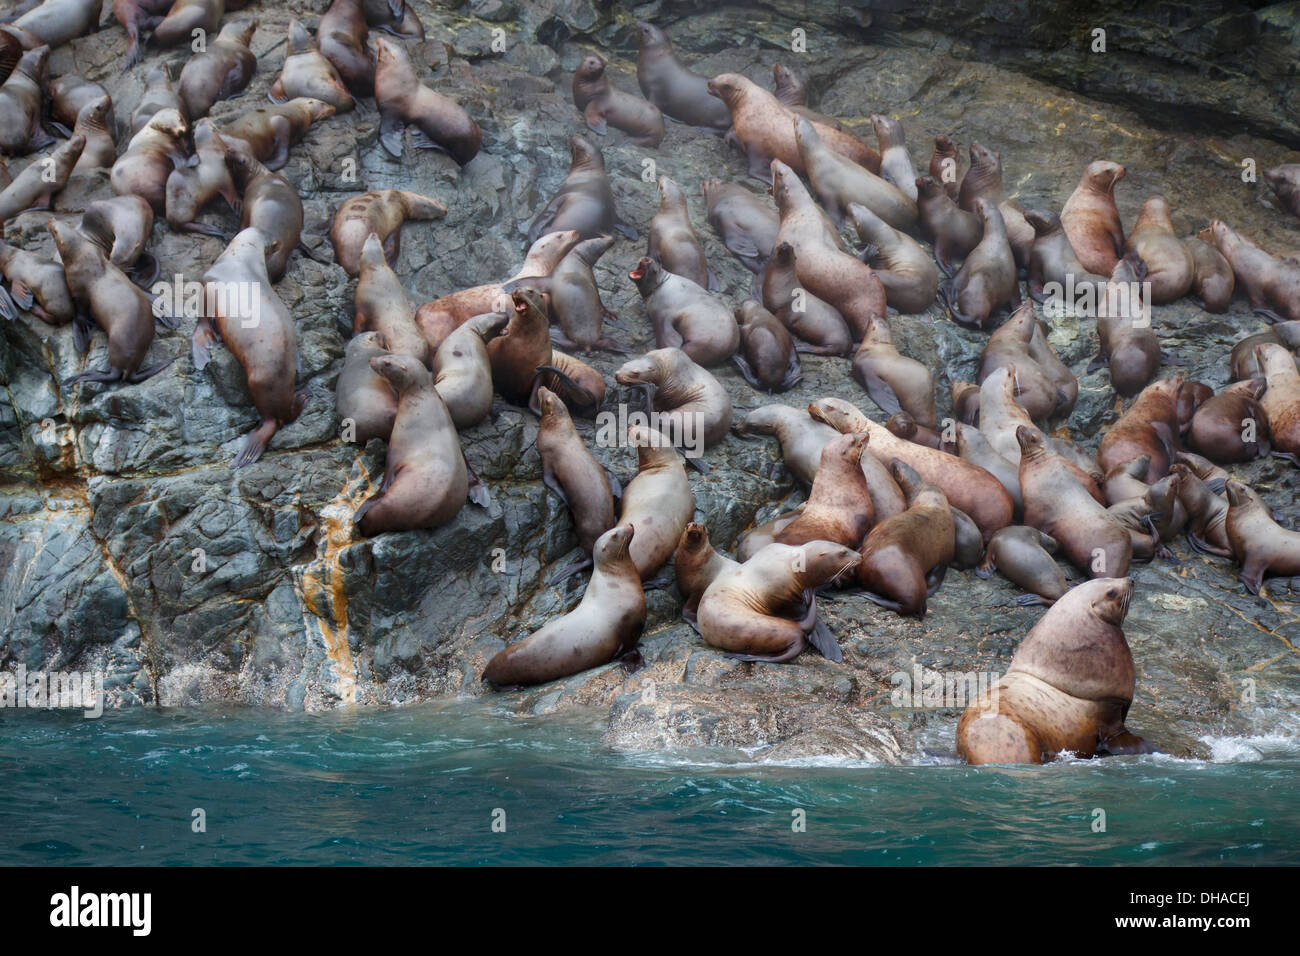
x=890, y=507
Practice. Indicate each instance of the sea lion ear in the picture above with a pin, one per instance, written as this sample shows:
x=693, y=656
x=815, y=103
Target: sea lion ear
x=273, y=247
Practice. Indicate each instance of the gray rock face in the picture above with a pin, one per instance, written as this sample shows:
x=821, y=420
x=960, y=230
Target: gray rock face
x=128, y=545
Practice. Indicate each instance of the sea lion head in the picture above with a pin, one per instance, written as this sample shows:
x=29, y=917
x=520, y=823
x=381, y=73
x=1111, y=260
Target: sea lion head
x=552, y=247
x=649, y=35
x=728, y=87
x=749, y=311
x=647, y=275
x=1163, y=495
x=372, y=253
x=367, y=341
x=582, y=153
x=989, y=214
x=65, y=237
x=670, y=193
x=907, y=479
x=403, y=372
x=96, y=111
x=694, y=539
x=591, y=68
x=1032, y=442
x=836, y=412
x=299, y=38
x=529, y=304
x=312, y=108
x=786, y=80
x=169, y=122
x=927, y=187
x=888, y=130
x=782, y=175
x=1102, y=175
x=984, y=159
x=1191, y=396
x=1108, y=598
x=613, y=544
x=848, y=447
x=943, y=144
x=783, y=254
x=1241, y=495
x=386, y=51
x=902, y=424
x=825, y=560
x=552, y=405
x=1273, y=358
x=645, y=370
x=238, y=31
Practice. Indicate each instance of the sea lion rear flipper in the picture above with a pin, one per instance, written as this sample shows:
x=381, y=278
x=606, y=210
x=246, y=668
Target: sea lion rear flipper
x=1268, y=315
x=595, y=121
x=746, y=371
x=624, y=230
x=82, y=328
x=793, y=373
x=390, y=132
x=569, y=570
x=312, y=254
x=8, y=308
x=1097, y=363
x=255, y=443
x=741, y=246
x=1217, y=485
x=393, y=247
x=699, y=464
x=478, y=492
x=276, y=93
x=1028, y=600
x=422, y=140
x=140, y=375
x=205, y=229
x=145, y=270
x=541, y=223
x=548, y=479
x=112, y=375
x=40, y=139
x=760, y=164
x=205, y=336
x=1168, y=359
x=934, y=579
x=715, y=284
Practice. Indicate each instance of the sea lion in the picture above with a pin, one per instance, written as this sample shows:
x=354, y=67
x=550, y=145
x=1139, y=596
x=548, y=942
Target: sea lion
x=308, y=72
x=968, y=540
x=1170, y=266
x=905, y=557
x=1281, y=399
x=984, y=181
x=1128, y=343
x=150, y=157
x=658, y=501
x=342, y=34
x=462, y=371
x=380, y=305
x=100, y=151
x=821, y=329
x=137, y=16
x=966, y=402
x=1024, y=557
x=363, y=398
x=1284, y=180
x=895, y=164
x=21, y=102
x=1091, y=220
x=953, y=231
x=69, y=94
x=973, y=446
x=840, y=182
x=839, y=506
x=394, y=16
x=572, y=472
x=191, y=187
x=56, y=22
x=905, y=426
x=186, y=16
x=1242, y=360
x=1213, y=282
x=35, y=186
x=686, y=315
x=270, y=203
x=766, y=357
x=986, y=282
x=115, y=303
x=1221, y=426
x=381, y=213
x=575, y=298
x=746, y=224
x=519, y=353
x=123, y=226
x=1055, y=273
x=584, y=202
x=765, y=129
x=822, y=264
x=1058, y=505
x=259, y=330
x=1149, y=427
x=1207, y=513
x=580, y=385
x=1040, y=390
x=696, y=565
x=1260, y=545
x=792, y=91
x=894, y=381
x=945, y=166
x=968, y=487
x=158, y=96
x=690, y=403
x=602, y=105
x=437, y=121
x=1272, y=285
x=672, y=240
x=36, y=285
x=426, y=481
x=906, y=270
x=221, y=71
x=605, y=625
x=672, y=87
x=1214, y=477
x=269, y=131
x=1069, y=686
x=749, y=611
x=801, y=437
x=1127, y=480
x=1191, y=396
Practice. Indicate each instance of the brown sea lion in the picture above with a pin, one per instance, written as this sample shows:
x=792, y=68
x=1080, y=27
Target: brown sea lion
x=186, y=16
x=751, y=611
x=984, y=181
x=270, y=130
x=380, y=305
x=1242, y=359
x=953, y=231
x=945, y=166
x=397, y=17
x=1047, y=391
x=308, y=72
x=21, y=102
x=1068, y=689
x=117, y=305
x=158, y=96
x=1170, y=266
x=1128, y=343
x=696, y=565
x=462, y=370
x=906, y=270
x=1214, y=477
x=1214, y=282
x=1260, y=545
x=437, y=121
x=671, y=86
x=746, y=224
x=221, y=71
x=658, y=501
x=968, y=487
x=905, y=557
x=821, y=329
x=365, y=401
x=1221, y=426
x=839, y=506
x=691, y=404
x=1207, y=513
x=822, y=264
x=766, y=357
x=606, y=624
x=1272, y=285
x=572, y=472
x=839, y=182
x=1055, y=273
x=973, y=446
x=686, y=315
x=137, y=16
x=426, y=481
x=342, y=37
x=801, y=437
x=672, y=240
x=92, y=124
x=518, y=353
x=56, y=22
x=986, y=282
x=1058, y=505
x=69, y=95
x=584, y=202
x=766, y=129
x=575, y=298
x=1149, y=427
x=895, y=163
x=36, y=285
x=894, y=381
x=35, y=186
x=123, y=226
x=1024, y=557
x=602, y=105
x=1281, y=399
x=1284, y=180
x=270, y=203
x=1091, y=220
x=149, y=159
x=381, y=213
x=243, y=311
x=191, y=187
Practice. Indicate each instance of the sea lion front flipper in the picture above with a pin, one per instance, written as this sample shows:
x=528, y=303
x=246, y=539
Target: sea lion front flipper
x=548, y=479
x=880, y=392
x=83, y=326
x=934, y=579
x=715, y=284
x=699, y=464
x=145, y=271
x=1268, y=315
x=390, y=132
x=793, y=372
x=541, y=223
x=1126, y=743
x=569, y=570
x=760, y=164
x=626, y=231
x=741, y=246
x=205, y=336
x=742, y=364
x=1099, y=362
x=40, y=139
x=595, y=120
x=393, y=247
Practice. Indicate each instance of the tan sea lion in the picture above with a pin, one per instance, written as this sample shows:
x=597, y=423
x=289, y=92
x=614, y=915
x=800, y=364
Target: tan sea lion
x=685, y=315
x=342, y=34
x=1272, y=285
x=953, y=231
x=895, y=163
x=380, y=305
x=1024, y=557
x=191, y=187
x=820, y=328
x=462, y=370
x=270, y=130
x=986, y=282
x=973, y=446
x=766, y=357
x=984, y=181
x=584, y=202
x=792, y=91
x=36, y=285
x=1149, y=427
x=36, y=185
x=1043, y=393
x=68, y=96
x=1170, y=266
x=894, y=381
x=1128, y=343
x=658, y=501
x=696, y=565
x=221, y=71
x=572, y=472
x=605, y=625
x=839, y=182
x=21, y=102
x=1214, y=282
x=672, y=240
x=308, y=72
x=437, y=121
x=602, y=105
x=1281, y=399
x=381, y=213
x=1220, y=426
x=575, y=298
x=690, y=403
x=100, y=151
x=1284, y=180
x=839, y=506
x=801, y=437
x=1242, y=360
x=1260, y=545
x=55, y=22
x=363, y=398
x=966, y=402
x=149, y=159
x=1091, y=220
x=746, y=224
x=269, y=203
x=158, y=96
x=945, y=166
x=1207, y=513
x=1068, y=689
x=672, y=87
x=906, y=270
x=123, y=226
x=186, y=16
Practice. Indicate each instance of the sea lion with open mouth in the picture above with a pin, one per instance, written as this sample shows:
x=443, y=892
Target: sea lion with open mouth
x=686, y=315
